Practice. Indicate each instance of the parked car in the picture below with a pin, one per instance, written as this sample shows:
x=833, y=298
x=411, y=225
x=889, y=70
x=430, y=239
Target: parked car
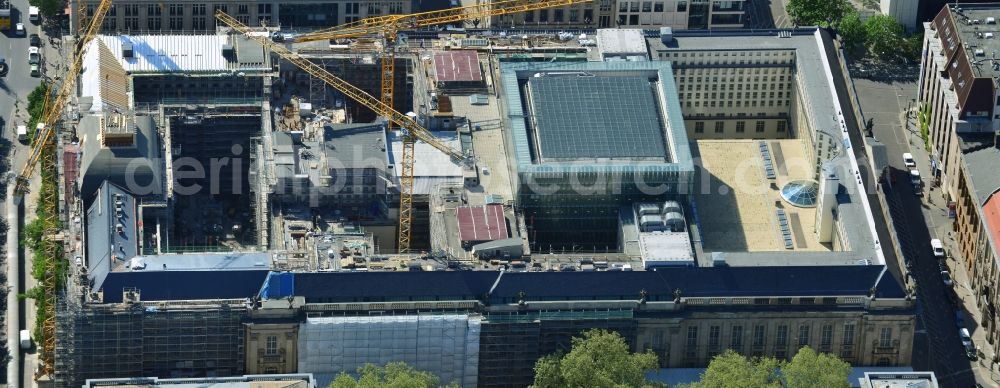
x=567, y=268
x=35, y=40
x=971, y=352
x=908, y=160
x=960, y=318
x=33, y=14
x=34, y=57
x=19, y=29
x=963, y=333
x=35, y=70
x=3, y=67
x=938, y=248
x=946, y=278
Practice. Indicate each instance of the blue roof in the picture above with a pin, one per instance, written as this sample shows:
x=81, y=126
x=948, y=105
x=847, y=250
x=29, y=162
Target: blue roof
x=659, y=285
x=377, y=286
x=184, y=285
x=700, y=282
x=341, y=287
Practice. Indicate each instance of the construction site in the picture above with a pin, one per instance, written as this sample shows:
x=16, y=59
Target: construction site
x=217, y=182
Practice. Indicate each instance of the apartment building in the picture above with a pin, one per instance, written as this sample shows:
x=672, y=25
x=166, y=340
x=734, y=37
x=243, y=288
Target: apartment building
x=145, y=16
x=958, y=88
x=678, y=14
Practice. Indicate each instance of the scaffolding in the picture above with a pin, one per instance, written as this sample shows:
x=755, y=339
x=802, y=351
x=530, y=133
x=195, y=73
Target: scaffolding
x=445, y=345
x=150, y=339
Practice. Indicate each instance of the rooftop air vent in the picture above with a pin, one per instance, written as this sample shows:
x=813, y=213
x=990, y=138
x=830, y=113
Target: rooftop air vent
x=228, y=52
x=127, y=51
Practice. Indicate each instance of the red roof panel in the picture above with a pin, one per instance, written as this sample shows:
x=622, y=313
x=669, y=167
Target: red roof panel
x=992, y=212
x=457, y=66
x=481, y=223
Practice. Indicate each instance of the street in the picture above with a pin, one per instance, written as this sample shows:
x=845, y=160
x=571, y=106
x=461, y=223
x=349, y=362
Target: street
x=14, y=89
x=763, y=14
x=936, y=344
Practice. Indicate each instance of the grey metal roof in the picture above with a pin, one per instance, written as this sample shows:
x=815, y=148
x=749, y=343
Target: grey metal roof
x=981, y=159
x=596, y=116
x=143, y=162
x=249, y=52
x=229, y=261
x=677, y=146
x=356, y=145
x=621, y=41
x=106, y=247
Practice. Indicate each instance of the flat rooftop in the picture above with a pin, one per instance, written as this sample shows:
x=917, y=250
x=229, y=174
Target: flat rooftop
x=593, y=112
x=593, y=115
x=737, y=206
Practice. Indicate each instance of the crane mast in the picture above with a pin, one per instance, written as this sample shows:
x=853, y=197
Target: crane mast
x=51, y=244
x=412, y=131
x=388, y=27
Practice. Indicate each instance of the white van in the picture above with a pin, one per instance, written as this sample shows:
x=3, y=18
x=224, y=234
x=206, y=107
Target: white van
x=33, y=15
x=938, y=248
x=25, y=340
x=22, y=133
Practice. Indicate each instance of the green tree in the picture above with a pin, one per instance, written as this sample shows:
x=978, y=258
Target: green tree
x=811, y=369
x=884, y=36
x=49, y=7
x=599, y=359
x=392, y=375
x=733, y=370
x=806, y=370
x=816, y=12
x=913, y=46
x=852, y=31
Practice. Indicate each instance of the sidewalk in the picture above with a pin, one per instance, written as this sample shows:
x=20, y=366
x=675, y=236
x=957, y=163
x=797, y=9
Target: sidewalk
x=935, y=211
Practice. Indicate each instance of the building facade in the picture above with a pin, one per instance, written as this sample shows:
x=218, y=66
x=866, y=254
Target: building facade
x=478, y=328
x=959, y=96
x=677, y=14
x=734, y=94
x=144, y=16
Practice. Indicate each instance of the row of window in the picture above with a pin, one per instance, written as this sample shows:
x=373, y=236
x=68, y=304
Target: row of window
x=738, y=95
x=648, y=6
x=785, y=54
x=759, y=335
x=720, y=126
x=739, y=104
x=178, y=9
x=681, y=85
x=559, y=15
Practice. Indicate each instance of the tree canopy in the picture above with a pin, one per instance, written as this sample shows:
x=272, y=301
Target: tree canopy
x=806, y=370
x=816, y=12
x=392, y=375
x=733, y=370
x=852, y=30
x=884, y=36
x=811, y=369
x=49, y=7
x=598, y=359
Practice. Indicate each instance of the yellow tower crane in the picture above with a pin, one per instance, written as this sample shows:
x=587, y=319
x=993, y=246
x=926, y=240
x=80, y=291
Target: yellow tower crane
x=43, y=138
x=387, y=27
x=412, y=130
